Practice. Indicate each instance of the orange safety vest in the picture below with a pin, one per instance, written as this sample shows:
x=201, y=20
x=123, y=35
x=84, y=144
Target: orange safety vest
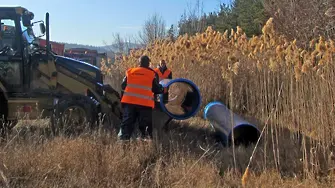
x=139, y=87
x=162, y=76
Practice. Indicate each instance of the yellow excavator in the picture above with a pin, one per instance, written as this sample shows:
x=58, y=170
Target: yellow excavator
x=36, y=82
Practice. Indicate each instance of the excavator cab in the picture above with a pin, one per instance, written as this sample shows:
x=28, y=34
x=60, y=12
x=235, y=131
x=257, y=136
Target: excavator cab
x=12, y=46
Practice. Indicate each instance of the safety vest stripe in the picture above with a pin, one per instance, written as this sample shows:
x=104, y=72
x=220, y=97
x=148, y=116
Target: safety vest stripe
x=137, y=95
x=139, y=87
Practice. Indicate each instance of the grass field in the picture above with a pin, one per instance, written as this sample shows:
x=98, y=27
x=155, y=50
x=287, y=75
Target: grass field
x=186, y=157
x=267, y=79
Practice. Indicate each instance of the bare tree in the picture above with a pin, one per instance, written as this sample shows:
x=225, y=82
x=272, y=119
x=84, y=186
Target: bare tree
x=130, y=43
x=153, y=29
x=119, y=42
x=172, y=33
x=193, y=21
x=302, y=19
x=123, y=44
x=195, y=14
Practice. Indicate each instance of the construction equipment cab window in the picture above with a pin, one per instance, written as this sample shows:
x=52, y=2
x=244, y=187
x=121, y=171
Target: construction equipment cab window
x=8, y=36
x=10, y=56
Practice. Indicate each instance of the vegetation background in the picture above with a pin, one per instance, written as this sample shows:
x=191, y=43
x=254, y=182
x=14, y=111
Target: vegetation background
x=270, y=61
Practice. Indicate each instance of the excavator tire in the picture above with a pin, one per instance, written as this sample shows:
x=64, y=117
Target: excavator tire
x=88, y=115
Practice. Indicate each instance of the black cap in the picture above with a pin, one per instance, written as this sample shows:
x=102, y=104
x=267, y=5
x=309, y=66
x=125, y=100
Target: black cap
x=144, y=61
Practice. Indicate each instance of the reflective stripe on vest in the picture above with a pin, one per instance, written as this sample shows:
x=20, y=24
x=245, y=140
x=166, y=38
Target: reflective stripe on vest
x=138, y=95
x=162, y=76
x=139, y=87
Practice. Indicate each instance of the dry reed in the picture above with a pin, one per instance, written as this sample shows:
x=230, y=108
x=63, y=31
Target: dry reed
x=258, y=66
x=295, y=150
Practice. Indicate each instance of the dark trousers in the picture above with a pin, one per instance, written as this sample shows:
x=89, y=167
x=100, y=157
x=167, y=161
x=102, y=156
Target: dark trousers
x=166, y=97
x=131, y=113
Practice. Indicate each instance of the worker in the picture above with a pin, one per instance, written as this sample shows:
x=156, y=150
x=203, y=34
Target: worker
x=164, y=73
x=137, y=99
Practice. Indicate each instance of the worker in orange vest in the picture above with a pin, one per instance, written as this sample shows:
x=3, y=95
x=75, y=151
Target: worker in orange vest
x=164, y=73
x=137, y=99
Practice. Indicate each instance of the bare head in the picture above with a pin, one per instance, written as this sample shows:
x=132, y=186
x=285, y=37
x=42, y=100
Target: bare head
x=162, y=63
x=144, y=61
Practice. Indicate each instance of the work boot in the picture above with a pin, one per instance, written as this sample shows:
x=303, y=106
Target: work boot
x=123, y=137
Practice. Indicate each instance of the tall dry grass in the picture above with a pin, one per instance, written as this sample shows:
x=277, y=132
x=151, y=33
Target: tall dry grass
x=255, y=68
x=252, y=76
x=249, y=73
x=187, y=158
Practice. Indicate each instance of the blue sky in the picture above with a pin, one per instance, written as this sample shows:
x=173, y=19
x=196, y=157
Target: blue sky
x=94, y=21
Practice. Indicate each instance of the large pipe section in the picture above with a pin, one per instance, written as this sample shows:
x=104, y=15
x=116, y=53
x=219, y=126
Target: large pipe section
x=220, y=119
x=184, y=98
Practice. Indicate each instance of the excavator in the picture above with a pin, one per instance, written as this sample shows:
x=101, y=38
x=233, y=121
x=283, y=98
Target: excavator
x=37, y=83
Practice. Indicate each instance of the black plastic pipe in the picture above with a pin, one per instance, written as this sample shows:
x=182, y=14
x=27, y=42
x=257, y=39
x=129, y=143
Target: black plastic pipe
x=220, y=119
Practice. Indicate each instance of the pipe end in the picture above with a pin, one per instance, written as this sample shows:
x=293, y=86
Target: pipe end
x=209, y=105
x=187, y=101
x=244, y=134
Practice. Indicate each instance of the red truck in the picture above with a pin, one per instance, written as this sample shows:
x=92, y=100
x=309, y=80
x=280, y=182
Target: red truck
x=83, y=54
x=56, y=47
x=89, y=56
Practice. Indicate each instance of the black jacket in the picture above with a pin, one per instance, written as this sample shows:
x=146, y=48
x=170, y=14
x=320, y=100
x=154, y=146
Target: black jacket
x=156, y=87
